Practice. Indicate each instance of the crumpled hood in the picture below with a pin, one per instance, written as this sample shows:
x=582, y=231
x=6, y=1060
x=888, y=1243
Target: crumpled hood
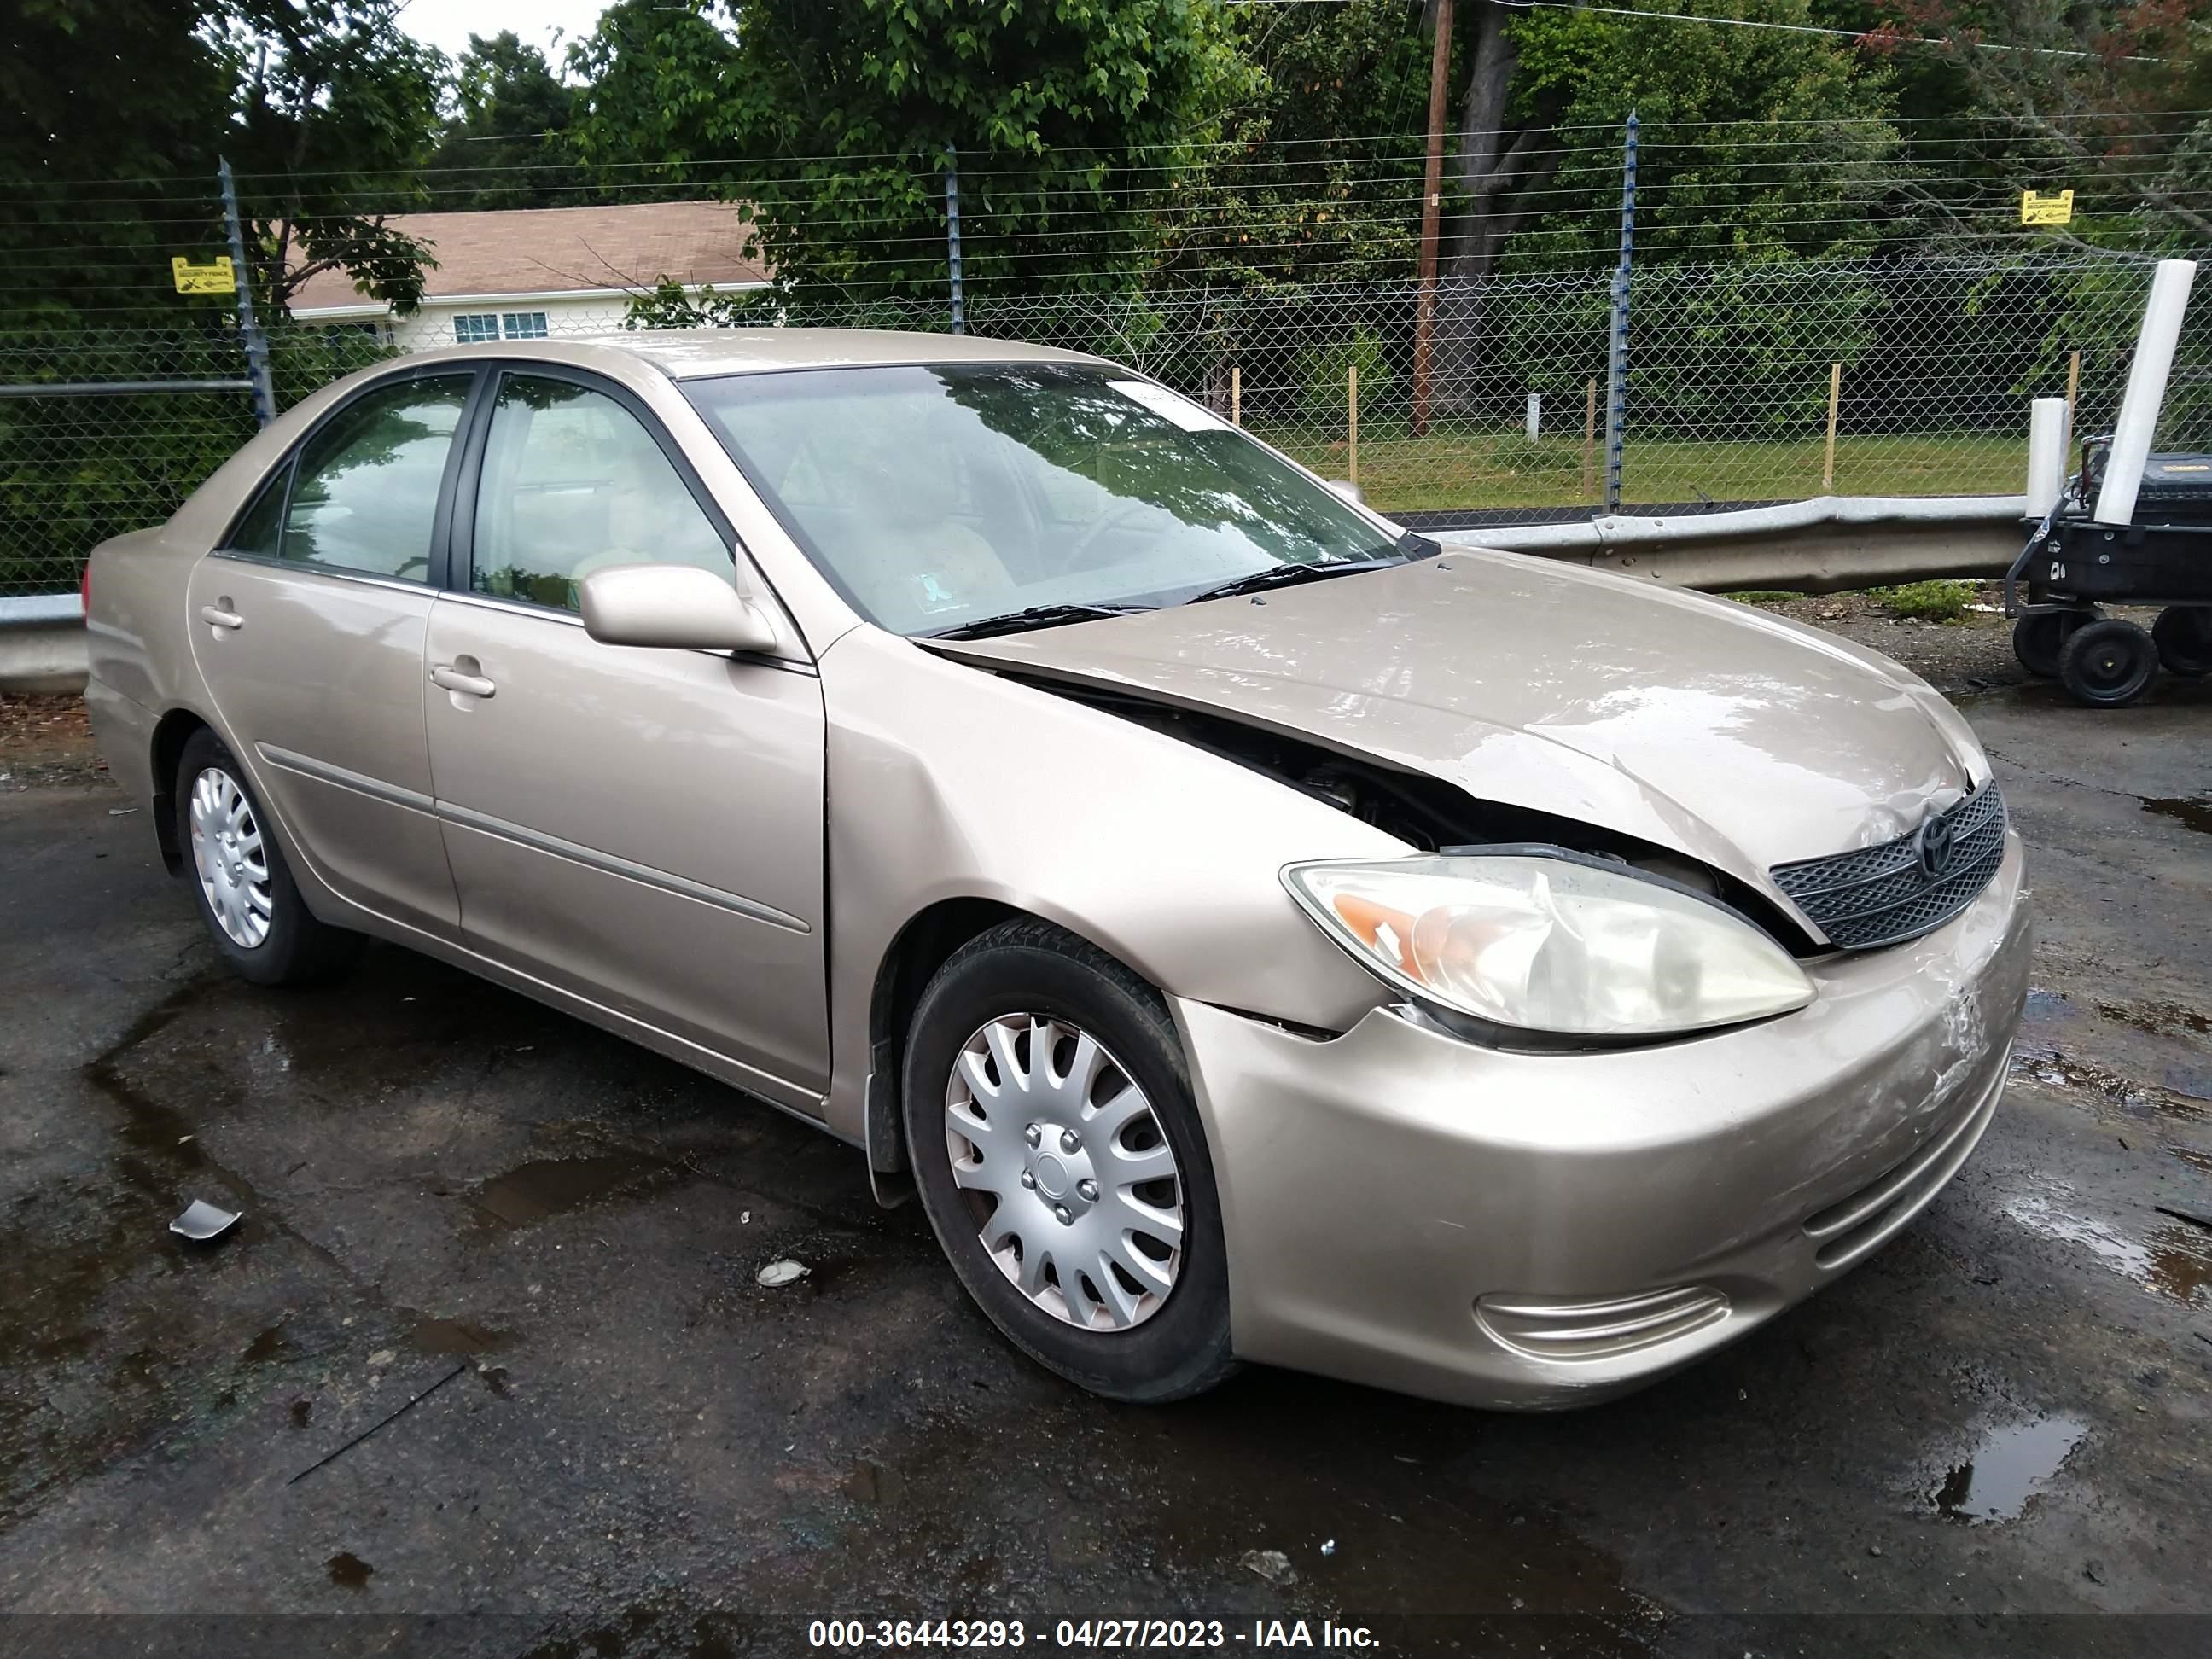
x=1736, y=738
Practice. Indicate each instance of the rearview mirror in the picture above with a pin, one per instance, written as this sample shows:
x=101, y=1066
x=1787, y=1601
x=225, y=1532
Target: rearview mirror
x=679, y=606
x=1349, y=490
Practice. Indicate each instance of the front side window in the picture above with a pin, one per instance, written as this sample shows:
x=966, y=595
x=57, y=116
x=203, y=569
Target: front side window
x=523, y=325
x=574, y=482
x=940, y=496
x=474, y=331
x=365, y=496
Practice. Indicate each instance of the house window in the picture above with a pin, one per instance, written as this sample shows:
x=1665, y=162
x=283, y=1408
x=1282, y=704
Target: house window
x=524, y=324
x=473, y=331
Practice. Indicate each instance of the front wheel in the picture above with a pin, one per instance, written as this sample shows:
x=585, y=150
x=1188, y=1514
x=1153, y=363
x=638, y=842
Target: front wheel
x=1060, y=1158
x=253, y=911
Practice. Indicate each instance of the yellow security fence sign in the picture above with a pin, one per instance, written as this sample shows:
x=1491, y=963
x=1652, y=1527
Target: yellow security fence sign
x=216, y=277
x=2054, y=209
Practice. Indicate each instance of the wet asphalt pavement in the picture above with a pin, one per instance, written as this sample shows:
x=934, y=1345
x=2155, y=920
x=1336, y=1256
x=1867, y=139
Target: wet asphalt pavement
x=548, y=1242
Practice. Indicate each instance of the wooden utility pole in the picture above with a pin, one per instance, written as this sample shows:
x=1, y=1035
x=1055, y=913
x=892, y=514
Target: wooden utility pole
x=1432, y=200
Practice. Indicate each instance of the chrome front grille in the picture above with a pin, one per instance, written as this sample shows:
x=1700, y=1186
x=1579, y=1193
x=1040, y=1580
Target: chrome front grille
x=1904, y=888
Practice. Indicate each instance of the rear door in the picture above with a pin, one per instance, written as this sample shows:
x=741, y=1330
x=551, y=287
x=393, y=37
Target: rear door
x=309, y=626
x=640, y=826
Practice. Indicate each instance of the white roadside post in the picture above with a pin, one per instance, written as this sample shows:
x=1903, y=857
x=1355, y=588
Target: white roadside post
x=2046, y=455
x=1536, y=415
x=2138, y=423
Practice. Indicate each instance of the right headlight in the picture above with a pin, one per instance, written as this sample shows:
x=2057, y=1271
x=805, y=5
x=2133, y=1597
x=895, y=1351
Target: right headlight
x=1551, y=944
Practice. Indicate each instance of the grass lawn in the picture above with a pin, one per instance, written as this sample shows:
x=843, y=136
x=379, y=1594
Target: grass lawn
x=1461, y=468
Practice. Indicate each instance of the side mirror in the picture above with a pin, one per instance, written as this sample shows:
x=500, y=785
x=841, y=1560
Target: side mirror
x=1349, y=492
x=679, y=606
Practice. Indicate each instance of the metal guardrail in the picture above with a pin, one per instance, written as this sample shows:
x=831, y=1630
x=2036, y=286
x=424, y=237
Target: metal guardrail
x=1820, y=546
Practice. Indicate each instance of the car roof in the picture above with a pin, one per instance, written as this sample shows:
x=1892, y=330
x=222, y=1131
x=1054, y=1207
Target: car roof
x=686, y=353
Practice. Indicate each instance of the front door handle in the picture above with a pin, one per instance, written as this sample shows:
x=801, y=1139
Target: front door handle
x=452, y=679
x=215, y=617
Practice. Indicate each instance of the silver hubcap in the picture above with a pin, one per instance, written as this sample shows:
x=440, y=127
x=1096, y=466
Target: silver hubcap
x=1070, y=1178
x=228, y=853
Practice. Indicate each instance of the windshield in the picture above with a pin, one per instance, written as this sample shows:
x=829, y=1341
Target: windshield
x=939, y=497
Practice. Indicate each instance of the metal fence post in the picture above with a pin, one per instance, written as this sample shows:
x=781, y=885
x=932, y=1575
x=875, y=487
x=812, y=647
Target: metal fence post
x=952, y=240
x=249, y=326
x=1616, y=409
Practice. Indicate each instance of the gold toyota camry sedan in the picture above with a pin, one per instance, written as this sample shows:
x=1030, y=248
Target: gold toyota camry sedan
x=1255, y=933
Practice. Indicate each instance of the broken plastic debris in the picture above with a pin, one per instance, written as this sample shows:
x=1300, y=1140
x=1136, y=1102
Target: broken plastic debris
x=120, y=812
x=1273, y=1566
x=1328, y=1546
x=786, y=1272
x=202, y=1222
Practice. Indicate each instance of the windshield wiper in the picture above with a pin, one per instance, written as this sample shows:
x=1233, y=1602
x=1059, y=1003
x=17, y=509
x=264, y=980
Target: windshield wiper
x=1284, y=576
x=1036, y=615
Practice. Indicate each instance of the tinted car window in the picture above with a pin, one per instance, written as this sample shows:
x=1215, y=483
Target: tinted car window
x=257, y=531
x=367, y=487
x=572, y=483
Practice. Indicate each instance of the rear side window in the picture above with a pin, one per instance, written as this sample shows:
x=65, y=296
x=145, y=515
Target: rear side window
x=365, y=494
x=257, y=532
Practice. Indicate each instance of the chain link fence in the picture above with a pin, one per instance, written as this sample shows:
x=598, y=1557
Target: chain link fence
x=1746, y=383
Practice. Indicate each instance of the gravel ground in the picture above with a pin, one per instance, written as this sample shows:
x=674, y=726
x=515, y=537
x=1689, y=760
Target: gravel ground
x=490, y=1345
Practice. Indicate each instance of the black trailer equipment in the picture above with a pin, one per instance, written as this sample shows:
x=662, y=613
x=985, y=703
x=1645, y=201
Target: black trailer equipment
x=2072, y=564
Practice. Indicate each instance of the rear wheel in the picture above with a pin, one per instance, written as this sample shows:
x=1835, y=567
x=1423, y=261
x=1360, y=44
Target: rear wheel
x=2040, y=635
x=2183, y=633
x=2107, y=664
x=1058, y=1157
x=245, y=894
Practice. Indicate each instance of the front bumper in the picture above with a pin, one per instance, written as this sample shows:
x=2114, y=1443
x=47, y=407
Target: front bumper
x=1404, y=1208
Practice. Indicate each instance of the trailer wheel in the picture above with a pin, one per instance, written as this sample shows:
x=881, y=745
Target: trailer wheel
x=2040, y=635
x=2107, y=664
x=2184, y=636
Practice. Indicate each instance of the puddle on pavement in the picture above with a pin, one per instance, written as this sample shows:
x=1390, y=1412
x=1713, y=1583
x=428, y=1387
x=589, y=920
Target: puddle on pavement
x=2173, y=1262
x=2058, y=1070
x=456, y=1336
x=2191, y=1156
x=548, y=1185
x=349, y=1571
x=265, y=1346
x=2190, y=811
x=2159, y=1018
x=2008, y=1467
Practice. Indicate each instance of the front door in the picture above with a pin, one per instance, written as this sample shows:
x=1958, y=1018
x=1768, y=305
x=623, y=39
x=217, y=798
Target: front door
x=308, y=627
x=643, y=828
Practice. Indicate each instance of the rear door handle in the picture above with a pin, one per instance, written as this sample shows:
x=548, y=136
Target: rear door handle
x=472, y=685
x=215, y=617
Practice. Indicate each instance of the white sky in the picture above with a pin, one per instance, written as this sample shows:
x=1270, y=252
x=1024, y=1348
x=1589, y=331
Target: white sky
x=447, y=24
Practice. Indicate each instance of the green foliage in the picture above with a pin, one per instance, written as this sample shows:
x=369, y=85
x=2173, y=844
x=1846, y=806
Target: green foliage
x=506, y=141
x=1931, y=601
x=1070, y=119
x=1764, y=596
x=1323, y=382
x=1718, y=189
x=332, y=121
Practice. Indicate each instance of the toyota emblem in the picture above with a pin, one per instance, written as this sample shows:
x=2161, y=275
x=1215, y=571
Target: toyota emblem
x=1933, y=845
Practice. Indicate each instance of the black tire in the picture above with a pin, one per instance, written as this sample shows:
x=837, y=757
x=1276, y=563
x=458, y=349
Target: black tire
x=1182, y=1348
x=297, y=950
x=2183, y=633
x=2107, y=664
x=2040, y=636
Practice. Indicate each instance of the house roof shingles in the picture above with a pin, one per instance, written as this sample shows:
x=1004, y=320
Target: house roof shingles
x=564, y=250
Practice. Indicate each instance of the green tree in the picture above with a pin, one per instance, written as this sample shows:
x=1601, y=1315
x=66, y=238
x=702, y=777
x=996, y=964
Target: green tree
x=334, y=118
x=1070, y=118
x=506, y=142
